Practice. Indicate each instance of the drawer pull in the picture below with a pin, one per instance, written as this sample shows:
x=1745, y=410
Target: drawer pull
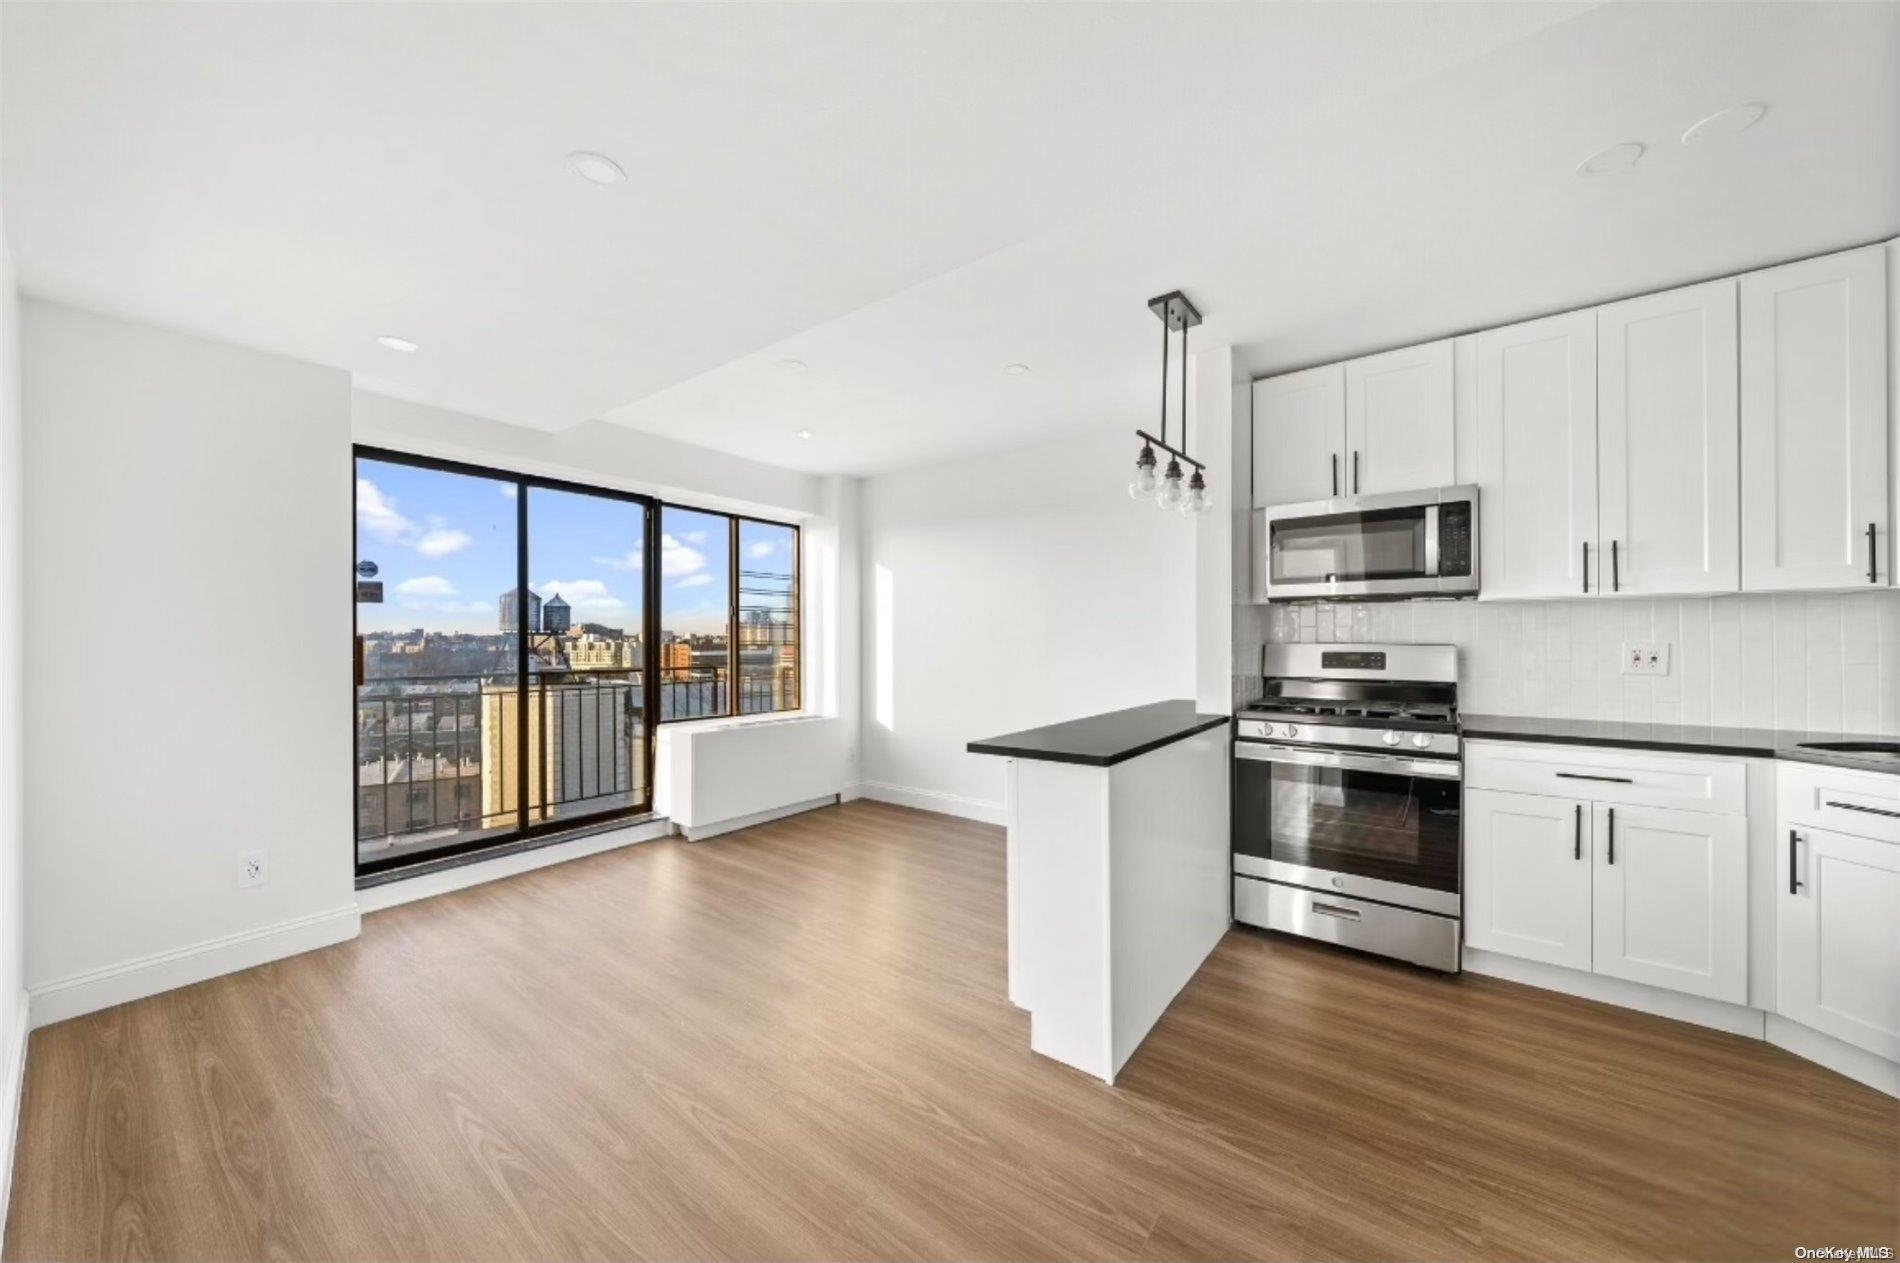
x=1872, y=811
x=1584, y=776
x=1333, y=910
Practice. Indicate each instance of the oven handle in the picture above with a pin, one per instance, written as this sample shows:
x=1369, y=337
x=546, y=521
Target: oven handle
x=1262, y=752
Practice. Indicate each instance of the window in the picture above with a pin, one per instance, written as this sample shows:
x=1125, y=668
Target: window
x=514, y=646
x=729, y=615
x=768, y=617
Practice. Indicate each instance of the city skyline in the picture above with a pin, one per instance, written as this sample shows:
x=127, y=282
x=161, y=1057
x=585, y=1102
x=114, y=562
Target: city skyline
x=444, y=544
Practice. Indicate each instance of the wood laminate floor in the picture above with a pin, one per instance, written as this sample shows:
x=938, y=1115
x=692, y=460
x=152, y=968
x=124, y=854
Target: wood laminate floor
x=793, y=1042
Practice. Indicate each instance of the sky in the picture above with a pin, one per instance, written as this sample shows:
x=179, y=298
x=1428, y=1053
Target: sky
x=444, y=546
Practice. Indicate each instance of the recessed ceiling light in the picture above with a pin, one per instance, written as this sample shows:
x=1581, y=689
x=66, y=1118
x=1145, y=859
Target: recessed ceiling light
x=393, y=343
x=596, y=167
x=1016, y=370
x=1729, y=122
x=804, y=434
x=791, y=366
x=1616, y=160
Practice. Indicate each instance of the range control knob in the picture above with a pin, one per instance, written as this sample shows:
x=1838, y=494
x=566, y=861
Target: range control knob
x=1389, y=737
x=1292, y=730
x=1423, y=740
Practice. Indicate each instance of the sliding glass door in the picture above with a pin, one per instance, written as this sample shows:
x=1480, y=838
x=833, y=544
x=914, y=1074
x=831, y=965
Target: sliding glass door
x=503, y=633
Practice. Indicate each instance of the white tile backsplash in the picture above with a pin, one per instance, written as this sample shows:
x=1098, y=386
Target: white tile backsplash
x=1827, y=662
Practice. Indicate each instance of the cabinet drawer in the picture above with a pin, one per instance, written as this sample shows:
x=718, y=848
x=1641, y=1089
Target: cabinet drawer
x=1862, y=804
x=1682, y=782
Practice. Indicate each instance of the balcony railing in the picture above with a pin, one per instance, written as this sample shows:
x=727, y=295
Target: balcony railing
x=439, y=757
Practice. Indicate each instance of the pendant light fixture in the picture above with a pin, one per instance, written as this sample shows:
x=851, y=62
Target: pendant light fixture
x=1176, y=313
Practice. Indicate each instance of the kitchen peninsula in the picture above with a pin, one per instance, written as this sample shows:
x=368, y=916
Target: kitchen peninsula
x=1117, y=872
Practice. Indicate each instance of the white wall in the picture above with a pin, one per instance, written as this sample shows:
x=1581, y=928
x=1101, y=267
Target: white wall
x=187, y=547
x=12, y=712
x=1008, y=591
x=599, y=452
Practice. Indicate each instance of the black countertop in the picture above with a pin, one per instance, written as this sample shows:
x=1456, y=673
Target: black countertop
x=1104, y=740
x=1755, y=743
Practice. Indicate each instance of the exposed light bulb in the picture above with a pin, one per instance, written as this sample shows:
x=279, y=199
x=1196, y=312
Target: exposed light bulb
x=1170, y=494
x=1198, y=498
x=1143, y=483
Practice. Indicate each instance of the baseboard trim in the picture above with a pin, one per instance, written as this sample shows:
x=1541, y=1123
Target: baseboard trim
x=15, y=1087
x=700, y=832
x=935, y=800
x=164, y=971
x=1842, y=1058
x=1719, y=1015
x=444, y=881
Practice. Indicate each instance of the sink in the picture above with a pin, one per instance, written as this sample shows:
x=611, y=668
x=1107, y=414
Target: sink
x=1877, y=749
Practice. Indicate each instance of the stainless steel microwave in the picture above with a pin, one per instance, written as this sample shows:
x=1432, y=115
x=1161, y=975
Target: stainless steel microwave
x=1404, y=544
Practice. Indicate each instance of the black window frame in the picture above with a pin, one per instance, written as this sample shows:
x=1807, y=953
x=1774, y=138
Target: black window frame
x=526, y=832
x=733, y=520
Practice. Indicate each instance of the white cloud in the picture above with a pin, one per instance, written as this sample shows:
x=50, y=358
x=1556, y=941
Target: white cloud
x=428, y=585
x=440, y=541
x=694, y=537
x=677, y=560
x=762, y=549
x=376, y=513
x=699, y=580
x=630, y=562
x=508, y=490
x=589, y=594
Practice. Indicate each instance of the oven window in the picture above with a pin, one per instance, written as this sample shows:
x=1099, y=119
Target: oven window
x=1382, y=825
x=1349, y=547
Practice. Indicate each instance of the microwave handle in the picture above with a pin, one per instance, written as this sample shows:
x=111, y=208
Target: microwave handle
x=1431, y=540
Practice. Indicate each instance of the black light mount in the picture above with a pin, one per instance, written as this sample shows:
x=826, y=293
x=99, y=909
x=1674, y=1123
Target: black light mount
x=1177, y=315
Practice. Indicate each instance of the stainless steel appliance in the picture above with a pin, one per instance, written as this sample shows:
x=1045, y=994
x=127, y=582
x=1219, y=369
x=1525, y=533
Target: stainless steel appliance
x=1412, y=543
x=1348, y=786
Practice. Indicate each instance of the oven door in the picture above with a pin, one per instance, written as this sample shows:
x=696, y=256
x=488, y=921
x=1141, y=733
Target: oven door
x=1376, y=826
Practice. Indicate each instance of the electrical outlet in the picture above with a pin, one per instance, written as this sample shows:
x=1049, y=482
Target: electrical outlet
x=253, y=869
x=1646, y=659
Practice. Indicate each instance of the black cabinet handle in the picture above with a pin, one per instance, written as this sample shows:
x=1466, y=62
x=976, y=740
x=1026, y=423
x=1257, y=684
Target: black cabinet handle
x=1611, y=832
x=1616, y=575
x=1873, y=555
x=1794, y=875
x=1585, y=776
x=1586, y=565
x=1355, y=471
x=1335, y=459
x=1872, y=811
x=1578, y=853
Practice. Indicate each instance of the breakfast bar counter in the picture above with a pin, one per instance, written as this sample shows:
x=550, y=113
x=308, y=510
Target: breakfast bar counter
x=1118, y=872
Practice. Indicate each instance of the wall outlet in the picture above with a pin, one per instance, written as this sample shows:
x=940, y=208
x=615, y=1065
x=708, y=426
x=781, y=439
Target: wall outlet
x=253, y=869
x=1647, y=658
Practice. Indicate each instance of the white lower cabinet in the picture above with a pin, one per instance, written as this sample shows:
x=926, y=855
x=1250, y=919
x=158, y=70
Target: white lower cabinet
x=1838, y=938
x=1527, y=876
x=1648, y=894
x=1669, y=894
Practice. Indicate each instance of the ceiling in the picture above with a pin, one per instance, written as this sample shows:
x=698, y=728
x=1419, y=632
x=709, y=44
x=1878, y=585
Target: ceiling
x=906, y=198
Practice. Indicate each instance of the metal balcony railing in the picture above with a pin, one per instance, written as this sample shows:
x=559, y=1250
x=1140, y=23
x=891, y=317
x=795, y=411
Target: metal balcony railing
x=440, y=755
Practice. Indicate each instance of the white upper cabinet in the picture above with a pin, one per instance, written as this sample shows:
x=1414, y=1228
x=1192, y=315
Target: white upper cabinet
x=1299, y=434
x=1537, y=457
x=1399, y=420
x=1668, y=442
x=1670, y=905
x=1814, y=424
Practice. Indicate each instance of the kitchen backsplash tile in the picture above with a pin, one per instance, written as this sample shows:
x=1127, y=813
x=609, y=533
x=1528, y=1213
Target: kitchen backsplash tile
x=1824, y=662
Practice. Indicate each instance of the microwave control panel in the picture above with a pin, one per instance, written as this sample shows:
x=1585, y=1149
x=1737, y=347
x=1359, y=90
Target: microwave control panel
x=1454, y=539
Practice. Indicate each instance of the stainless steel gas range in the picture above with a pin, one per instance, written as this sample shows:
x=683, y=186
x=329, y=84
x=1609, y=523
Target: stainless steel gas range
x=1348, y=785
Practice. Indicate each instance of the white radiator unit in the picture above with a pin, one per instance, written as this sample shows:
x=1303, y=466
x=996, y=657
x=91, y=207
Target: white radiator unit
x=712, y=776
